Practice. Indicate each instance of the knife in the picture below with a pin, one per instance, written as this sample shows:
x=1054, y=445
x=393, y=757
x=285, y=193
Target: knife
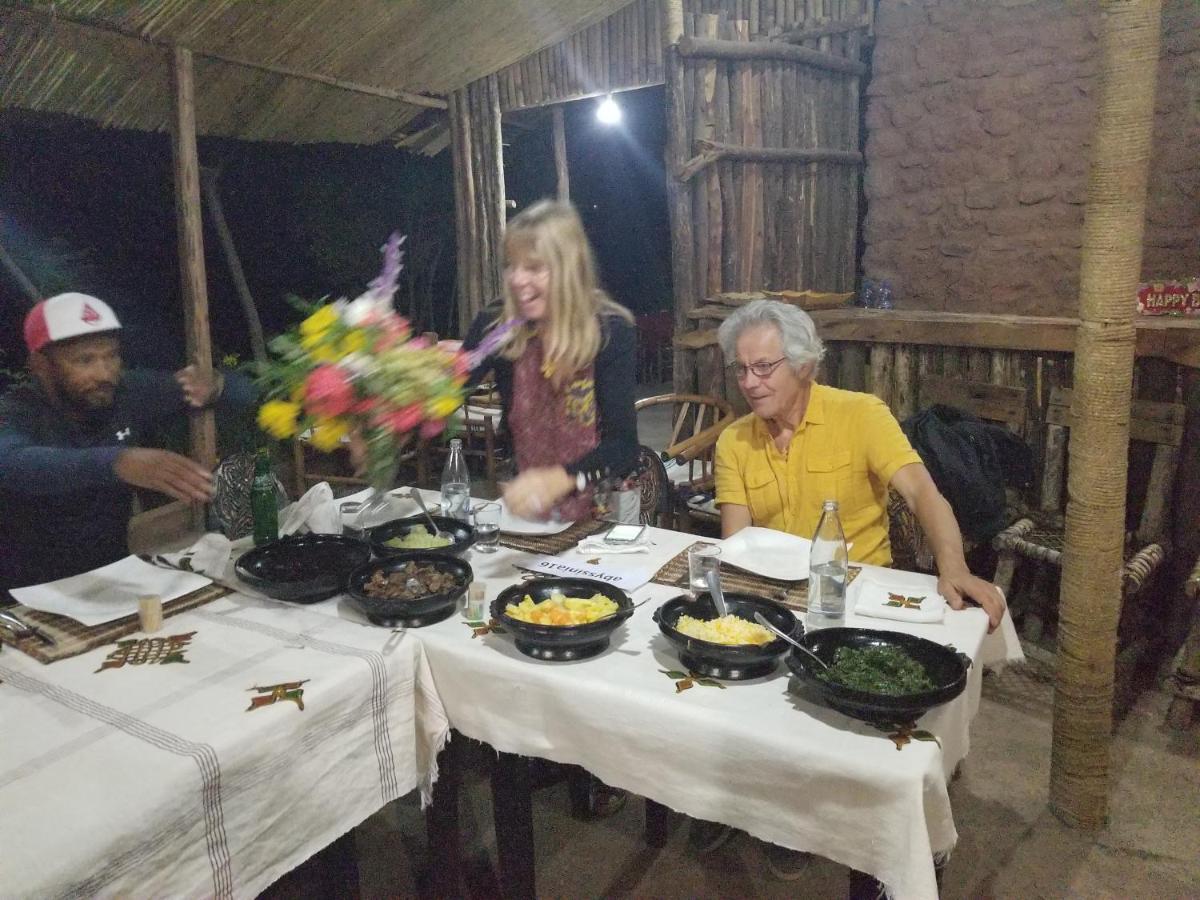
x=23, y=629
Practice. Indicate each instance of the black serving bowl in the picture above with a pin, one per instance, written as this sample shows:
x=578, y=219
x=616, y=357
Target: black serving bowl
x=733, y=662
x=945, y=666
x=419, y=611
x=377, y=536
x=302, y=568
x=561, y=643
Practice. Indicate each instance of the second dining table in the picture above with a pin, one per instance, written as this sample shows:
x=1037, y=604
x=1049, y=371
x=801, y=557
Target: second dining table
x=759, y=755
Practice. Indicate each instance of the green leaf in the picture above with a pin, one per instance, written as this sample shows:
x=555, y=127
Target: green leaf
x=674, y=673
x=926, y=736
x=709, y=682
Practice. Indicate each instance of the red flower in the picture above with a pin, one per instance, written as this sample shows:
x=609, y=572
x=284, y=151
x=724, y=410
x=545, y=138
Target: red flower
x=327, y=392
x=431, y=429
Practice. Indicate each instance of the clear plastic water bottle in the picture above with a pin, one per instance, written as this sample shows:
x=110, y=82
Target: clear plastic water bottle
x=828, y=561
x=456, y=484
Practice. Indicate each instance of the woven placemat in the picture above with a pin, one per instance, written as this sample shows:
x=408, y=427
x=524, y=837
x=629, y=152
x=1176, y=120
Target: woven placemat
x=72, y=638
x=553, y=544
x=792, y=594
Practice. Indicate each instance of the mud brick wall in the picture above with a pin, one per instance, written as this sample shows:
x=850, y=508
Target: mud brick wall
x=979, y=121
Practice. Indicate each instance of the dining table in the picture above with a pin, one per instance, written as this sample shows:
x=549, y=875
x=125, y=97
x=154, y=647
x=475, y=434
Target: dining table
x=212, y=756
x=279, y=727
x=765, y=755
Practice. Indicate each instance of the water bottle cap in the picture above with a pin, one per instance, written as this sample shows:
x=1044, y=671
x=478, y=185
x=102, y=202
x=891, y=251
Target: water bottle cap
x=830, y=504
x=455, y=443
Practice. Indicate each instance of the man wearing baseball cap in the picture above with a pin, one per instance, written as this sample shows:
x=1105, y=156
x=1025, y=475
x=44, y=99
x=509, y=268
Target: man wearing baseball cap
x=70, y=451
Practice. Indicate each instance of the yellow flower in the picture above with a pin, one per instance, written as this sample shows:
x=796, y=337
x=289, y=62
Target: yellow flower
x=328, y=433
x=443, y=406
x=319, y=348
x=354, y=341
x=319, y=322
x=278, y=418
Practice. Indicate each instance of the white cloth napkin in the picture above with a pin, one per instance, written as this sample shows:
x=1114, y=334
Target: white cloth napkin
x=315, y=512
x=595, y=545
x=894, y=596
x=110, y=592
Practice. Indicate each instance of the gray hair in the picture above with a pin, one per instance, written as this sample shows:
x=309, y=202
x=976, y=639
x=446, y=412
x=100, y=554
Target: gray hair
x=801, y=345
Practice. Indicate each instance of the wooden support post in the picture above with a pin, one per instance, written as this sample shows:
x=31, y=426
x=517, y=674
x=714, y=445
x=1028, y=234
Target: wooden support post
x=690, y=47
x=560, y=155
x=672, y=19
x=32, y=294
x=194, y=290
x=1091, y=594
x=208, y=183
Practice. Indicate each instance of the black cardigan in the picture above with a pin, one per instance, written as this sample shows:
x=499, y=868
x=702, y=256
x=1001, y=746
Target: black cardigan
x=615, y=456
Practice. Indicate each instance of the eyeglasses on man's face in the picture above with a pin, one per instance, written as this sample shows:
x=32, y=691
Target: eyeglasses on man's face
x=758, y=369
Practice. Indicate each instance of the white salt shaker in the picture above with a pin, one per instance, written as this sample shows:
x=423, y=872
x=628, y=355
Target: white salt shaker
x=476, y=606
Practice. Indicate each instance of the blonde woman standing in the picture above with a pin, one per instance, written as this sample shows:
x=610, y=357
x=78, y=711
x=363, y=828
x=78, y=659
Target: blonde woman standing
x=566, y=374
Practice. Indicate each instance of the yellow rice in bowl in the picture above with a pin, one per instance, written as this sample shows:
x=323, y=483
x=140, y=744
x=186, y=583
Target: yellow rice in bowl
x=729, y=629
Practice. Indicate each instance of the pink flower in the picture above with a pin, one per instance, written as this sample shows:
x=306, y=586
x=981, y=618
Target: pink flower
x=327, y=392
x=462, y=363
x=432, y=429
x=408, y=418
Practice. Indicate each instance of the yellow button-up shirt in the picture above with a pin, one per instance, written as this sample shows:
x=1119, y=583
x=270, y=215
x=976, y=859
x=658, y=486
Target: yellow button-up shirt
x=847, y=449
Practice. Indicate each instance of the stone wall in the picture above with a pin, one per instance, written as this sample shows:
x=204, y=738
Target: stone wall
x=979, y=121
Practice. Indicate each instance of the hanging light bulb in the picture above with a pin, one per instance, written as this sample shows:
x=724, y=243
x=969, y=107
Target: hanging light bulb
x=608, y=113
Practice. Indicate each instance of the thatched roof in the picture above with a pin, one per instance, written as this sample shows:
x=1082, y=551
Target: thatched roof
x=355, y=71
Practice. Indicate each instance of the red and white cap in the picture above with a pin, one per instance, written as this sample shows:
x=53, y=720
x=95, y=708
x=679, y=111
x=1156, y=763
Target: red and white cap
x=65, y=316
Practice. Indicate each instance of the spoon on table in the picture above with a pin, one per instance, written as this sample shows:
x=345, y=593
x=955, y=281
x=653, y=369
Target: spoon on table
x=766, y=623
x=433, y=529
x=714, y=587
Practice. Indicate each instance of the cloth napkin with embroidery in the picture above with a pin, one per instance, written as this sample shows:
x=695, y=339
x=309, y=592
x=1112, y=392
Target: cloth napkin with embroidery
x=901, y=596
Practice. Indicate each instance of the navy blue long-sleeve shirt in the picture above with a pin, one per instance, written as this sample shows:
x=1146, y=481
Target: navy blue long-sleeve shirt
x=63, y=510
x=615, y=375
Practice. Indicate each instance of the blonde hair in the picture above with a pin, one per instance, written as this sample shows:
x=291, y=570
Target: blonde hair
x=550, y=232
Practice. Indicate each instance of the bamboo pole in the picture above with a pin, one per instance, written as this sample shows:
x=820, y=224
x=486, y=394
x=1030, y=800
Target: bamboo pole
x=1090, y=598
x=54, y=13
x=560, y=155
x=208, y=184
x=202, y=425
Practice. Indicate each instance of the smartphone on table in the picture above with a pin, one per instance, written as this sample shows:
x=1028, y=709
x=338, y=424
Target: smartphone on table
x=624, y=534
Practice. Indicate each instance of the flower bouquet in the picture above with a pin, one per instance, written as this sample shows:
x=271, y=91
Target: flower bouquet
x=354, y=367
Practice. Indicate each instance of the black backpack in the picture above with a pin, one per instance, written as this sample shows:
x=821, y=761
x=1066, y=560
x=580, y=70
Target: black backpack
x=971, y=461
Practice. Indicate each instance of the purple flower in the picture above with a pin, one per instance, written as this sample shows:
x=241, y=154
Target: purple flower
x=384, y=285
x=492, y=340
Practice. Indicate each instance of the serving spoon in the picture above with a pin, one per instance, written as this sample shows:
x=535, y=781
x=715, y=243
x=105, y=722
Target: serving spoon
x=766, y=623
x=626, y=612
x=433, y=529
x=714, y=588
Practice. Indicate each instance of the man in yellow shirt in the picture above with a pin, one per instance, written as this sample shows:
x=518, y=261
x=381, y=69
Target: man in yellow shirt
x=804, y=443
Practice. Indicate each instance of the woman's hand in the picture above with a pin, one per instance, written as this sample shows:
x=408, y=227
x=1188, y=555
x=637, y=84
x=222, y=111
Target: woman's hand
x=532, y=493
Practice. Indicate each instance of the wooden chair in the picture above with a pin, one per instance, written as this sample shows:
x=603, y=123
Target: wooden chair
x=696, y=423
x=312, y=467
x=654, y=488
x=1184, y=682
x=1039, y=536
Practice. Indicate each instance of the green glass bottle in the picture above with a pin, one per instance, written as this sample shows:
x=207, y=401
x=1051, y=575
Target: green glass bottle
x=264, y=503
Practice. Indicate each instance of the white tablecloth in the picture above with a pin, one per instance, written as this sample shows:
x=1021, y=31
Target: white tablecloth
x=157, y=780
x=753, y=755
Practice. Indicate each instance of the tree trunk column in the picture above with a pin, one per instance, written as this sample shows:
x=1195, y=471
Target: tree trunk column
x=1090, y=600
x=194, y=290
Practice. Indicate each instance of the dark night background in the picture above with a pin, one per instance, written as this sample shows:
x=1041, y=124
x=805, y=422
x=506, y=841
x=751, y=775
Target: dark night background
x=91, y=209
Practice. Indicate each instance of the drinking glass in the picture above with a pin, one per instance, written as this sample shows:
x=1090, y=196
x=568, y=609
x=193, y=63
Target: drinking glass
x=702, y=560
x=487, y=527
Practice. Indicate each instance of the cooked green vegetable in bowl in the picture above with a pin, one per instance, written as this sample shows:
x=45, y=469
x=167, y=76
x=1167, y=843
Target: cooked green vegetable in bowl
x=879, y=670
